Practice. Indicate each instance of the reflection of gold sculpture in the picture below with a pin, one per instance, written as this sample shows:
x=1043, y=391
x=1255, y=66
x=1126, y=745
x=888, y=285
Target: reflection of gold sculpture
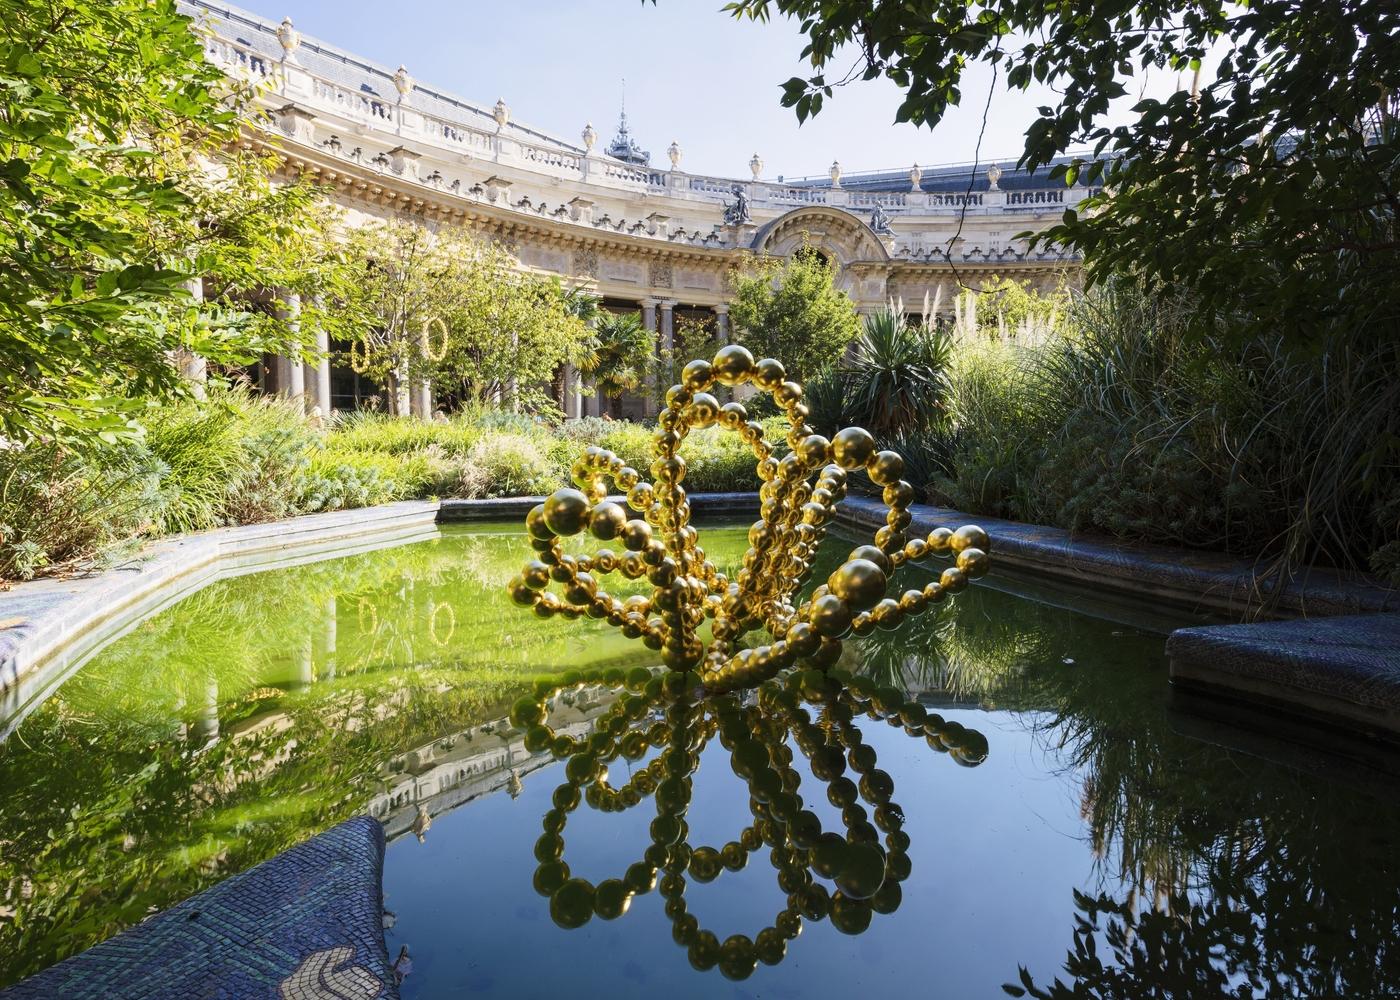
x=866, y=873
x=794, y=514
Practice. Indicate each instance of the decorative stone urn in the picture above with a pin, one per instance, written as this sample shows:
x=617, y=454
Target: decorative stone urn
x=590, y=136
x=501, y=113
x=835, y=173
x=916, y=177
x=674, y=152
x=403, y=83
x=288, y=36
x=756, y=165
x=993, y=176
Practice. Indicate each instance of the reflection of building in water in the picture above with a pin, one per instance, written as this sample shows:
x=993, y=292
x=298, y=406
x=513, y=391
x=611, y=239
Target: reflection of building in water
x=440, y=776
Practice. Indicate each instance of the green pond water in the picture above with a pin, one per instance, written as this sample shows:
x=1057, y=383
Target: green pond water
x=1098, y=840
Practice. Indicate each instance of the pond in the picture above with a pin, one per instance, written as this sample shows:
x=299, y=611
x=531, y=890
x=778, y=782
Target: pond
x=1055, y=815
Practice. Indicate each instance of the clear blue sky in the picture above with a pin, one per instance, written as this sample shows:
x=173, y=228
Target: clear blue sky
x=693, y=74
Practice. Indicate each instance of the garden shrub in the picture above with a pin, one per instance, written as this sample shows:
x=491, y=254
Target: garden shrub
x=61, y=509
x=515, y=464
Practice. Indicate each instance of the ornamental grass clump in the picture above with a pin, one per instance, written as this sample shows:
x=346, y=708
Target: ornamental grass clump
x=62, y=510
x=1135, y=425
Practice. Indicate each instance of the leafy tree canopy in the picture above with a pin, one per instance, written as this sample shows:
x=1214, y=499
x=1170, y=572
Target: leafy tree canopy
x=1272, y=193
x=110, y=204
x=792, y=310
x=456, y=309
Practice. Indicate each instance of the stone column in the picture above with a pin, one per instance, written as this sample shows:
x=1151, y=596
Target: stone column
x=668, y=326
x=573, y=408
x=192, y=367
x=317, y=374
x=422, y=388
x=649, y=323
x=291, y=377
x=722, y=323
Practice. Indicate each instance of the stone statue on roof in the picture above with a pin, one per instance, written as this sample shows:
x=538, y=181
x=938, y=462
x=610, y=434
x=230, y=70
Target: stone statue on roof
x=880, y=221
x=737, y=212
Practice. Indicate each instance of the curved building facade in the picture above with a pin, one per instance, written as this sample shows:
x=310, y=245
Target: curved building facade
x=655, y=238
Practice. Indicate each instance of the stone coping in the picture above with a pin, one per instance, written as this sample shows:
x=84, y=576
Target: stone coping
x=1344, y=669
x=308, y=923
x=1200, y=582
x=703, y=504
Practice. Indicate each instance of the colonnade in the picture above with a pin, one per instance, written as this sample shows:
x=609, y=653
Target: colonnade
x=310, y=380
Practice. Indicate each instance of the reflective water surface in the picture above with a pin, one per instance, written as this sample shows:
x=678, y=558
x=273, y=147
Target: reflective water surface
x=1040, y=808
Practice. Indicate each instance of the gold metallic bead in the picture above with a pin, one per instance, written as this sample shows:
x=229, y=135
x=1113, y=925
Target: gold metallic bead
x=677, y=396
x=889, y=539
x=970, y=536
x=768, y=469
x=940, y=541
x=852, y=448
x=737, y=958
x=768, y=374
x=732, y=365
x=535, y=526
x=566, y=512
x=974, y=562
x=627, y=477
x=814, y=449
x=858, y=582
x=830, y=616
x=668, y=470
x=641, y=496
x=521, y=593
x=733, y=416
x=607, y=521
x=953, y=580
x=913, y=602
x=666, y=442
x=697, y=375
x=787, y=393
x=536, y=575
x=915, y=549
x=703, y=410
x=571, y=905
x=887, y=614
x=636, y=534
x=901, y=494
x=884, y=468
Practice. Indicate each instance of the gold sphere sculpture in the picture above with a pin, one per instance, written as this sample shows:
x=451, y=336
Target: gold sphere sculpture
x=798, y=497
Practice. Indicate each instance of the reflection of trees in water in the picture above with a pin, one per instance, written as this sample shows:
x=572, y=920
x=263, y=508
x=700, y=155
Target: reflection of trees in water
x=98, y=830
x=1221, y=869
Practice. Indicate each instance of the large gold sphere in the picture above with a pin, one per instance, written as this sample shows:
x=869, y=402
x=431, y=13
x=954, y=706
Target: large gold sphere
x=831, y=616
x=969, y=536
x=859, y=582
x=732, y=365
x=768, y=374
x=566, y=512
x=607, y=521
x=851, y=448
x=697, y=375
